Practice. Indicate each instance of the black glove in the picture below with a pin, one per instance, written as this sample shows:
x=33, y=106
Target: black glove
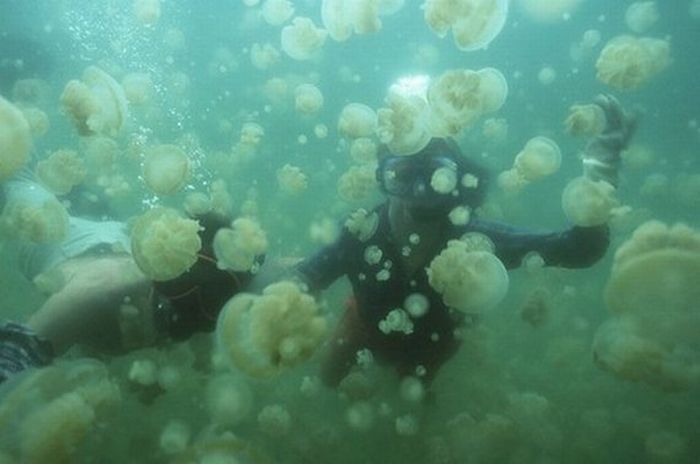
x=601, y=158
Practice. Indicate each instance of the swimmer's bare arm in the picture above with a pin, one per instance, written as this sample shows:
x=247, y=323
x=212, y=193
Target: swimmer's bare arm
x=103, y=301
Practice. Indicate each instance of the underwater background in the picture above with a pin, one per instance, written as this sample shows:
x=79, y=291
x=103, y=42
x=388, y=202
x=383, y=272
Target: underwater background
x=518, y=391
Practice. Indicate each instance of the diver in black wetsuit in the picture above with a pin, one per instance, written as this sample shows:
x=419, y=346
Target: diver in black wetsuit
x=414, y=209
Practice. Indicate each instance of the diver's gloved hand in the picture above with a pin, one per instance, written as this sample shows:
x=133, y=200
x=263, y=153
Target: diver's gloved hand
x=601, y=158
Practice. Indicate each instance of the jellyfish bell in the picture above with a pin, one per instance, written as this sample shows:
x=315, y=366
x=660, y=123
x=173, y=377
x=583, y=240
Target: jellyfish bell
x=454, y=101
x=276, y=12
x=588, y=203
x=164, y=244
x=474, y=23
x=96, y=104
x=15, y=139
x=404, y=125
x=641, y=16
x=470, y=281
x=357, y=120
x=335, y=17
x=308, y=99
x=166, y=169
x=302, y=39
x=494, y=89
x=627, y=62
x=541, y=157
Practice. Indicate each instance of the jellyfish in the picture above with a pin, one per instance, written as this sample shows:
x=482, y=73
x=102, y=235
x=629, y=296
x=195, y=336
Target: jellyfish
x=468, y=280
x=15, y=139
x=541, y=157
x=96, y=104
x=164, y=244
x=641, y=16
x=276, y=12
x=240, y=247
x=263, y=334
x=302, y=39
x=587, y=202
x=474, y=23
x=357, y=120
x=166, y=169
x=308, y=99
x=627, y=63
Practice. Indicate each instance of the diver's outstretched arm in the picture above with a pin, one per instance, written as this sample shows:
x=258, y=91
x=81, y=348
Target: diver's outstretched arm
x=601, y=157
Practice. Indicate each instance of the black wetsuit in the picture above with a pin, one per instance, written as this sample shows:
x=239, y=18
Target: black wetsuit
x=433, y=339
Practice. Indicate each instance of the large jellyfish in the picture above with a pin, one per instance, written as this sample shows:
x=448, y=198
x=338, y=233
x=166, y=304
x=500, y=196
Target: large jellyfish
x=474, y=23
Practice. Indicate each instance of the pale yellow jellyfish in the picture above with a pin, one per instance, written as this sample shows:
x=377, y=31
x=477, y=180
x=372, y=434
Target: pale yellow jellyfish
x=336, y=18
x=457, y=98
x=302, y=39
x=264, y=56
x=291, y=179
x=264, y=334
x=493, y=89
x=641, y=16
x=308, y=99
x=38, y=121
x=96, y=104
x=365, y=16
x=474, y=23
x=240, y=247
x=653, y=293
x=138, y=88
x=276, y=89
x=15, y=139
x=49, y=413
x=655, y=271
x=587, y=202
x=164, y=244
x=404, y=125
x=357, y=120
x=444, y=180
x=39, y=222
x=547, y=75
x=31, y=92
x=61, y=171
x=511, y=181
x=251, y=133
x=197, y=204
x=276, y=12
x=585, y=120
x=627, y=62
x=541, y=157
x=147, y=12
x=166, y=169
x=495, y=130
x=357, y=183
x=469, y=281
x=362, y=224
x=363, y=150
